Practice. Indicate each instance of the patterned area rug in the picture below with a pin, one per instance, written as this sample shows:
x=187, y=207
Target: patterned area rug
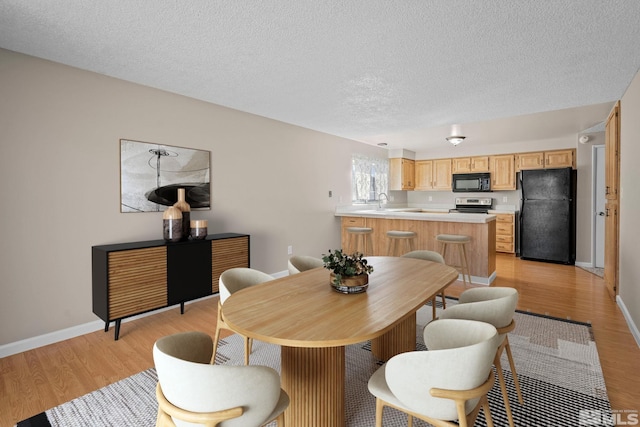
x=556, y=361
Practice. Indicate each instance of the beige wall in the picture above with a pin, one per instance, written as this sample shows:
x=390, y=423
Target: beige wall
x=630, y=201
x=59, y=180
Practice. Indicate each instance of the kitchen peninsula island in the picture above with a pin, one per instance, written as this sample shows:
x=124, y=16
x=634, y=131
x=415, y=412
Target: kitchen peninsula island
x=427, y=224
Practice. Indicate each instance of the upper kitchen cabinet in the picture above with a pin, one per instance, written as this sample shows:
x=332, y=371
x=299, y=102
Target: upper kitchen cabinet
x=442, y=174
x=546, y=160
x=560, y=159
x=401, y=174
x=530, y=161
x=433, y=175
x=424, y=175
x=470, y=164
x=503, y=173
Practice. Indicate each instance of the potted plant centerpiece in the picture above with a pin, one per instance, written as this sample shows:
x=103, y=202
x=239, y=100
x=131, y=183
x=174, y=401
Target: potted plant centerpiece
x=349, y=273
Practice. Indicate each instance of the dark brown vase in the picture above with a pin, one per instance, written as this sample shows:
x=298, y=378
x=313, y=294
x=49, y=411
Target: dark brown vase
x=172, y=224
x=185, y=208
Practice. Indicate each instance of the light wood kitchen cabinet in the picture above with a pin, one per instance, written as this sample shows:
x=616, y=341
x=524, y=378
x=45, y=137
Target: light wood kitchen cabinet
x=560, y=159
x=505, y=233
x=433, y=175
x=612, y=150
x=503, y=173
x=546, y=160
x=424, y=175
x=401, y=174
x=530, y=161
x=442, y=174
x=470, y=164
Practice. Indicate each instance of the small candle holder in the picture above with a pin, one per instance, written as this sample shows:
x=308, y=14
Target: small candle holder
x=198, y=229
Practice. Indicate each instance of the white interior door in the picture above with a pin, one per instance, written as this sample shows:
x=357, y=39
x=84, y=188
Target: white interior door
x=599, y=198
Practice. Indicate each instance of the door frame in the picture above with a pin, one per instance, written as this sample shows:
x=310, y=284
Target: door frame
x=594, y=207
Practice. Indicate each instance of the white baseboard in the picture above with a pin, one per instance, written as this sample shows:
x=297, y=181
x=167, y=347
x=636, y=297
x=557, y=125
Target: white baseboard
x=280, y=274
x=632, y=326
x=480, y=280
x=584, y=264
x=68, y=333
x=50, y=338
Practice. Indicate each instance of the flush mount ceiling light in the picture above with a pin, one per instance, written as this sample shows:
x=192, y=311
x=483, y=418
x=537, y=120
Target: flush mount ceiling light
x=455, y=140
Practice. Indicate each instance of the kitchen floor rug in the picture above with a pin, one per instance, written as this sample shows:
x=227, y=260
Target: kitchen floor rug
x=556, y=361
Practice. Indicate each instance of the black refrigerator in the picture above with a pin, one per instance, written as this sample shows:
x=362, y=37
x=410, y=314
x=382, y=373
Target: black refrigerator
x=548, y=215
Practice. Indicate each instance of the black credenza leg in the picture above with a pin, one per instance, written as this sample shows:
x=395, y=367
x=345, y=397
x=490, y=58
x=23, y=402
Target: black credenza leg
x=106, y=326
x=182, y=307
x=117, y=332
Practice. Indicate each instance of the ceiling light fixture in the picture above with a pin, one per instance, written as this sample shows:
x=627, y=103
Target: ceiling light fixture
x=455, y=140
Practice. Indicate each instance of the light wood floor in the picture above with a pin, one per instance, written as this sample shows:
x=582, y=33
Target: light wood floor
x=36, y=380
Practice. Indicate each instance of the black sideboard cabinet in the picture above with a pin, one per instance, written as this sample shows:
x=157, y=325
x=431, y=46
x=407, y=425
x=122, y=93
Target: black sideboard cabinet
x=137, y=277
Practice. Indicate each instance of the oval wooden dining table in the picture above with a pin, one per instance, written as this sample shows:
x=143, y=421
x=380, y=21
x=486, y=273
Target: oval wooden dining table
x=313, y=323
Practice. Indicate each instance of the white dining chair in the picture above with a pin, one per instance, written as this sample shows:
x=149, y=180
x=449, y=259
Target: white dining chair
x=432, y=256
x=497, y=306
x=192, y=391
x=231, y=281
x=299, y=263
x=445, y=384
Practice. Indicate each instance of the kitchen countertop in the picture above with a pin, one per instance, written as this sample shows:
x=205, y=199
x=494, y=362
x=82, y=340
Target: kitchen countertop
x=421, y=214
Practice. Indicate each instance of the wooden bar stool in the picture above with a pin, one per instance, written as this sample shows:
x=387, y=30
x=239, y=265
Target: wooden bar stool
x=361, y=236
x=460, y=241
x=395, y=238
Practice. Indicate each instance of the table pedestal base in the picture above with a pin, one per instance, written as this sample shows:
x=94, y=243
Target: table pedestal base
x=400, y=339
x=314, y=379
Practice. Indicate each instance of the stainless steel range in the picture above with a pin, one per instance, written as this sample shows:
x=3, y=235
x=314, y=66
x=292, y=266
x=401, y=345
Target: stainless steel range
x=472, y=205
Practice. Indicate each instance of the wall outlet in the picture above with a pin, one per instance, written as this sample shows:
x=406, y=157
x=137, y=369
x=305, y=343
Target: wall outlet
x=431, y=198
x=505, y=199
x=289, y=250
x=330, y=193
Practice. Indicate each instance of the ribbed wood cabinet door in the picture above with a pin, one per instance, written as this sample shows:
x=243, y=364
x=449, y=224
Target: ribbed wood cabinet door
x=137, y=281
x=225, y=254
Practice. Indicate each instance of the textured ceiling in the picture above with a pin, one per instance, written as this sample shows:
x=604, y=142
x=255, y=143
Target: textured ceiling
x=401, y=72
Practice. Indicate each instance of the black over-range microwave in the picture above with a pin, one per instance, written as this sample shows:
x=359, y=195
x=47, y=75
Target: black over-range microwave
x=471, y=182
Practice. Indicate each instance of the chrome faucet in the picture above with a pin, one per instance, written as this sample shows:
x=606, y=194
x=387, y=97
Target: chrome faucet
x=380, y=199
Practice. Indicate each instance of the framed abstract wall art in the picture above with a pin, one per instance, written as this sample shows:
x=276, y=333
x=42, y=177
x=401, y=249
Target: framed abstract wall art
x=150, y=175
